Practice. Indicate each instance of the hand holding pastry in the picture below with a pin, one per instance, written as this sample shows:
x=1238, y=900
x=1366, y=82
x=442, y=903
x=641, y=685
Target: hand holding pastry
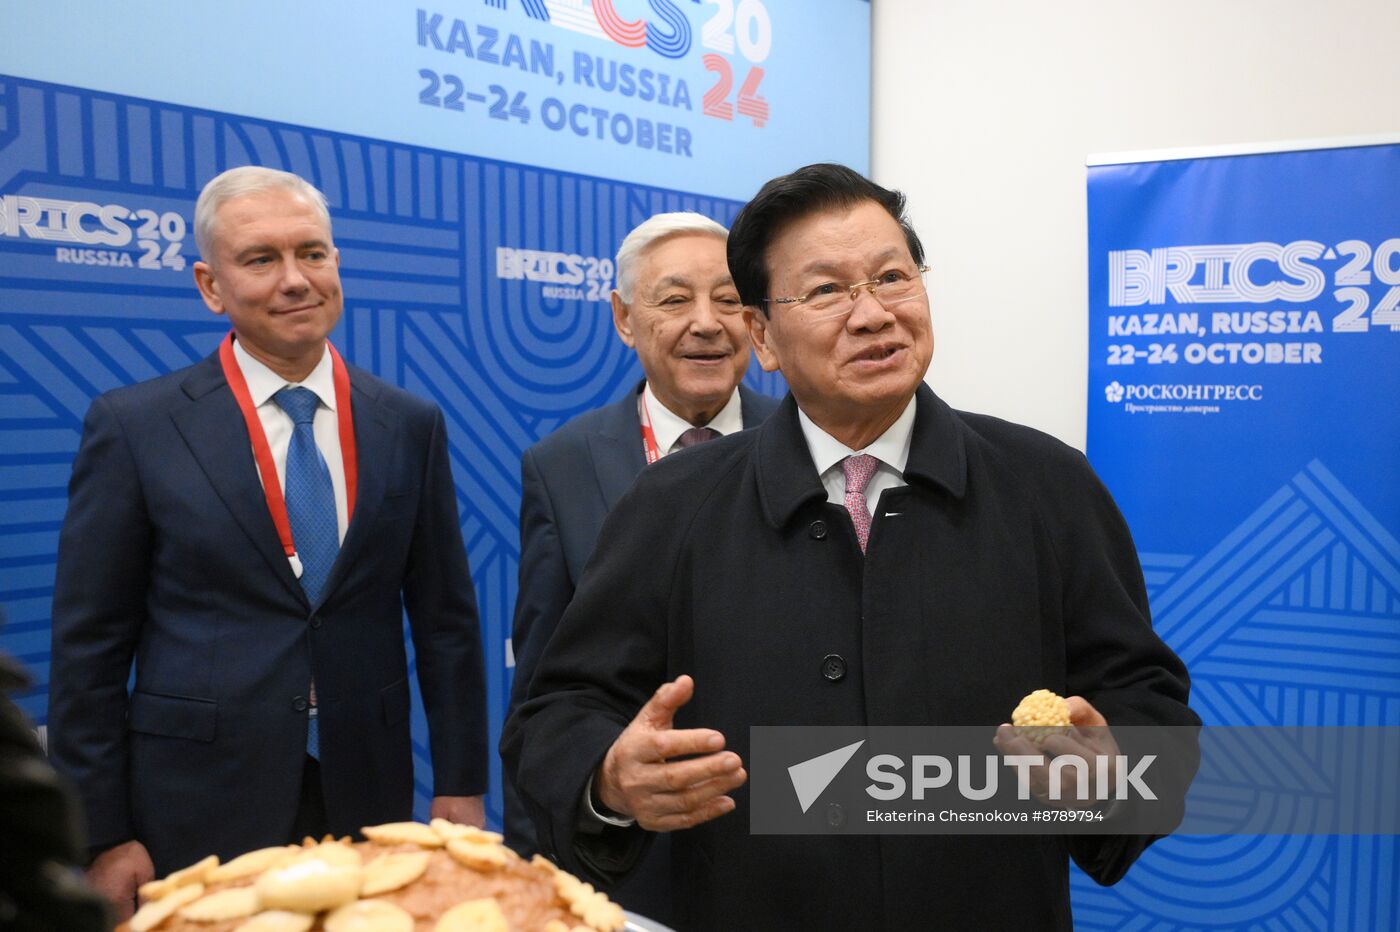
x=1047, y=727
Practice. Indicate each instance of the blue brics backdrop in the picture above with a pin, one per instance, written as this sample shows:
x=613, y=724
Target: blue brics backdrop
x=482, y=159
x=1244, y=409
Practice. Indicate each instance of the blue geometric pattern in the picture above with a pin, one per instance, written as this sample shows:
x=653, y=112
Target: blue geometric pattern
x=310, y=497
x=418, y=232
x=1293, y=618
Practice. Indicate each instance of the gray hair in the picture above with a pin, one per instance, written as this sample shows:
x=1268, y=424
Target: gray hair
x=649, y=231
x=241, y=181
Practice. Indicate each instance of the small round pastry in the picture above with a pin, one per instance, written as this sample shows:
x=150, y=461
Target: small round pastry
x=1040, y=715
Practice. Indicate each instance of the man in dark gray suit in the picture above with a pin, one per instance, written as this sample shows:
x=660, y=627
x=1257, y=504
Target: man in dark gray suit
x=676, y=305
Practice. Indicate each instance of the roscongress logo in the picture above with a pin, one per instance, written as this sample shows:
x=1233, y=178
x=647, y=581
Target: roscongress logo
x=1114, y=392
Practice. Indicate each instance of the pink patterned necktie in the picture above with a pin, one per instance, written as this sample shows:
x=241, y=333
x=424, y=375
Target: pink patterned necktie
x=858, y=471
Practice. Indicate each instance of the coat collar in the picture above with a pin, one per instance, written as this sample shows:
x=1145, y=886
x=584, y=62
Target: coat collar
x=787, y=480
x=751, y=405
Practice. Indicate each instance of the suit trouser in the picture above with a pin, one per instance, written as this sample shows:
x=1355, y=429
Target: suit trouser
x=311, y=807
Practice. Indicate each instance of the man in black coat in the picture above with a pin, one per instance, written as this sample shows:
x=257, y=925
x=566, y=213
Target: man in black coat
x=868, y=556
x=676, y=305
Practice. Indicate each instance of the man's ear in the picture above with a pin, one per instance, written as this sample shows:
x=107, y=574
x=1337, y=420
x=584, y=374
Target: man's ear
x=757, y=325
x=208, y=286
x=622, y=319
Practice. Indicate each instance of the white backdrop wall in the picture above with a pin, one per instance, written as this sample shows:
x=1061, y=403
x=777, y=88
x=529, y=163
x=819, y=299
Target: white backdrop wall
x=984, y=112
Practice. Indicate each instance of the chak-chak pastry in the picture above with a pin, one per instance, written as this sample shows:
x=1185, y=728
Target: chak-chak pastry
x=1040, y=715
x=408, y=877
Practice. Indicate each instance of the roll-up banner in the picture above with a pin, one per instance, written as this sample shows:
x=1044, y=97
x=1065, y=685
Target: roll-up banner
x=1244, y=409
x=482, y=158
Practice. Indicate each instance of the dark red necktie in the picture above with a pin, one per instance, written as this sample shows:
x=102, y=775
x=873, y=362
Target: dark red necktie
x=697, y=435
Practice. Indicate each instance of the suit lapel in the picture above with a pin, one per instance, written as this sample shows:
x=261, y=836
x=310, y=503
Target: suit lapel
x=213, y=429
x=616, y=449
x=374, y=441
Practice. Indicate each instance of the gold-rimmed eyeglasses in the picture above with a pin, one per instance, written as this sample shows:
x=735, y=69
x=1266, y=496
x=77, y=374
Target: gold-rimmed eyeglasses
x=837, y=299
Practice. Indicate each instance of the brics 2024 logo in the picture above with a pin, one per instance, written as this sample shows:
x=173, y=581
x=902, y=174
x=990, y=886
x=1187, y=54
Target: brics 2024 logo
x=108, y=228
x=564, y=276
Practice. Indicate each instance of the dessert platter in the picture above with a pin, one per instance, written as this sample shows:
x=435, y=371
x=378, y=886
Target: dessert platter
x=405, y=877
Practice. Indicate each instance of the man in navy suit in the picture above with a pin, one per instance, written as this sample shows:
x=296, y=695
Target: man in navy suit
x=249, y=531
x=676, y=305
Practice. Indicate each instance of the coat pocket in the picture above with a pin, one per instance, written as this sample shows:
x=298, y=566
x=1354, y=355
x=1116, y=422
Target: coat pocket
x=394, y=699
x=173, y=716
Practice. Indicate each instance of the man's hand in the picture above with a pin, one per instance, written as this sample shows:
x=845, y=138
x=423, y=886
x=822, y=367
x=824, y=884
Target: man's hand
x=466, y=810
x=117, y=872
x=640, y=778
x=1089, y=737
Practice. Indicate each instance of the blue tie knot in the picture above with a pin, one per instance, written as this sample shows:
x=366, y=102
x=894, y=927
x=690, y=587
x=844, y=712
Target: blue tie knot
x=299, y=403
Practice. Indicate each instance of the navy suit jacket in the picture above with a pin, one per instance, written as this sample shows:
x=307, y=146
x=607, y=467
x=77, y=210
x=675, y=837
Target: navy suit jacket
x=168, y=556
x=570, y=481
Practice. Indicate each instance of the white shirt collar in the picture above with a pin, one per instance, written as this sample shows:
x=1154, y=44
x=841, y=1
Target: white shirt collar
x=263, y=383
x=890, y=448
x=667, y=426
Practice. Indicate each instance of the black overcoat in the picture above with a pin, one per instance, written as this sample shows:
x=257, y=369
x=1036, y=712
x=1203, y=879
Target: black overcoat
x=1002, y=567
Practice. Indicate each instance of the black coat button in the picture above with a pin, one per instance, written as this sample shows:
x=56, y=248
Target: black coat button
x=835, y=815
x=299, y=704
x=817, y=530
x=834, y=667
x=315, y=621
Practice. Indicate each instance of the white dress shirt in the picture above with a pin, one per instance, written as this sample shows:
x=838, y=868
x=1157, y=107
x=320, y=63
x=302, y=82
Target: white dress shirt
x=263, y=383
x=891, y=448
x=667, y=426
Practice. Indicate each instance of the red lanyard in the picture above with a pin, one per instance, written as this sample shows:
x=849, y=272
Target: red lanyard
x=262, y=452
x=649, y=447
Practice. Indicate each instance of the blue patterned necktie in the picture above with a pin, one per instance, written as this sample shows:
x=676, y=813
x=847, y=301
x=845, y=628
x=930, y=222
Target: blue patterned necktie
x=310, y=501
